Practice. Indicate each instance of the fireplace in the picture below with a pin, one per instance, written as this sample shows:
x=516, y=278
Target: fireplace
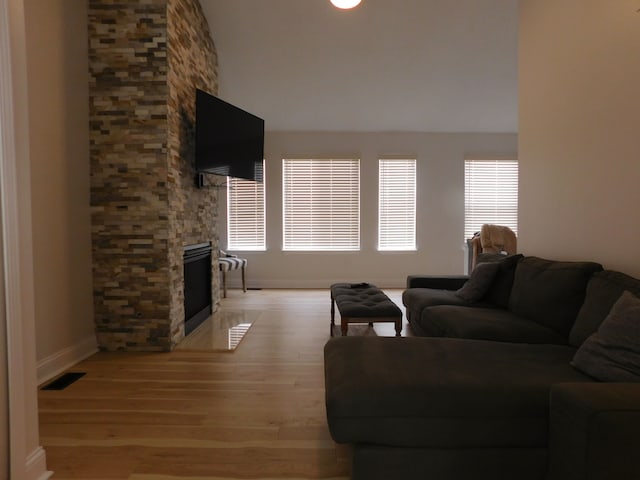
x=197, y=285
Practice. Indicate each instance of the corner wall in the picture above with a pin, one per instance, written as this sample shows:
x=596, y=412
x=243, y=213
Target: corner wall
x=145, y=60
x=579, y=141
x=58, y=84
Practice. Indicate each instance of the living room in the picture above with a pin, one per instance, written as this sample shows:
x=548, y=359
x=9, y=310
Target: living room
x=576, y=144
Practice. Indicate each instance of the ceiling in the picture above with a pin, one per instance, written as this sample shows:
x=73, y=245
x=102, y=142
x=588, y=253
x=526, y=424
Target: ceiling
x=387, y=65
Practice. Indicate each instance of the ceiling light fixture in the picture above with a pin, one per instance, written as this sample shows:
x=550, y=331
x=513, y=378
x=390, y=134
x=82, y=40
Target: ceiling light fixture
x=345, y=4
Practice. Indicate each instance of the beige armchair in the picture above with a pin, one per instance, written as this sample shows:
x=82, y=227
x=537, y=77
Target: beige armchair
x=496, y=239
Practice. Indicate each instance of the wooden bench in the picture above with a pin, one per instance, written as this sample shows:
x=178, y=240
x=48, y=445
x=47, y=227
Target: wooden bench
x=362, y=303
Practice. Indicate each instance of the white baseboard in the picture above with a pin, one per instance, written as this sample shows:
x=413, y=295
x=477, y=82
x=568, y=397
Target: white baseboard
x=36, y=466
x=55, y=364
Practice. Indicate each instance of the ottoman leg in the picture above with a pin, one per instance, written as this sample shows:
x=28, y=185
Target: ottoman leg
x=398, y=324
x=344, y=326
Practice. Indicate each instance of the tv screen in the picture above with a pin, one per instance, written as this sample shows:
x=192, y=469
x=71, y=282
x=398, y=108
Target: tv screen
x=229, y=141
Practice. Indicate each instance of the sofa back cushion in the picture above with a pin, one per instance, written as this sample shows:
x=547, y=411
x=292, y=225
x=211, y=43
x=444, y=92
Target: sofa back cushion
x=550, y=292
x=603, y=291
x=500, y=289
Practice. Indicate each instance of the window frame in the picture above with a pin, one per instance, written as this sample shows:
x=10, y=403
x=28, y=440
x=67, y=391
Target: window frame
x=481, y=179
x=391, y=191
x=321, y=204
x=256, y=218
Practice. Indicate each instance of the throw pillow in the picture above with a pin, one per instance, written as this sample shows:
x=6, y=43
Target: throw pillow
x=612, y=354
x=603, y=291
x=479, y=282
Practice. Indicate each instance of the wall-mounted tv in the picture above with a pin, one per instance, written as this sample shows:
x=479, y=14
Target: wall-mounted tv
x=229, y=141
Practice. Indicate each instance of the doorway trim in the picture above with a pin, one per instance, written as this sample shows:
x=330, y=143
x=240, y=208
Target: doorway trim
x=27, y=459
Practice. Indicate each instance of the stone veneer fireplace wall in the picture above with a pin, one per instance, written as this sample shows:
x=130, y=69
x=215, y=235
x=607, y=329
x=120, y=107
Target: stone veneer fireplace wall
x=146, y=60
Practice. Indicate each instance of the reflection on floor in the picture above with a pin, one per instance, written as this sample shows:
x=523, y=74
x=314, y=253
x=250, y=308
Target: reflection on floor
x=222, y=331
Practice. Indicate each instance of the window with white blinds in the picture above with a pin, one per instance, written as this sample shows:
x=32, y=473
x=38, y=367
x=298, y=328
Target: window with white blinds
x=397, y=204
x=245, y=215
x=490, y=194
x=321, y=204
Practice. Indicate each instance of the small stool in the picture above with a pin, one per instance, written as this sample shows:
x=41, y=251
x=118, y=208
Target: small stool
x=229, y=262
x=362, y=303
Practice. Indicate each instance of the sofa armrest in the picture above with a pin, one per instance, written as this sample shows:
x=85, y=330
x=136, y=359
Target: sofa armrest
x=439, y=282
x=593, y=431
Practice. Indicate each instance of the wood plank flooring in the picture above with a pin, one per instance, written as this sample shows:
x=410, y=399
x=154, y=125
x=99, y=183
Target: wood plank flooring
x=254, y=412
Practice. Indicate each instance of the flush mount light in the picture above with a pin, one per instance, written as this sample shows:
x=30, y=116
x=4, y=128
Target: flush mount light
x=345, y=4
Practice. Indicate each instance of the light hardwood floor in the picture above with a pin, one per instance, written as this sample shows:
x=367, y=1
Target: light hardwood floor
x=255, y=412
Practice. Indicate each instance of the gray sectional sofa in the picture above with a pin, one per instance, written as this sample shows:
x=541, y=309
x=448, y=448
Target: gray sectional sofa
x=529, y=369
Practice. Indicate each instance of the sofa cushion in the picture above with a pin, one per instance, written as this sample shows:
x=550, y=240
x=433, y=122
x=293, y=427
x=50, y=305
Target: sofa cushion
x=442, y=392
x=612, y=354
x=604, y=289
x=417, y=299
x=484, y=324
x=479, y=282
x=550, y=292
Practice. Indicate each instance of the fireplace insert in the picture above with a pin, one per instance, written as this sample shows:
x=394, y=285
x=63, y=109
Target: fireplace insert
x=197, y=285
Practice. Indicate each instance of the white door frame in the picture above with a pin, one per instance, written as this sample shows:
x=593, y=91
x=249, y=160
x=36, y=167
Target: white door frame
x=27, y=458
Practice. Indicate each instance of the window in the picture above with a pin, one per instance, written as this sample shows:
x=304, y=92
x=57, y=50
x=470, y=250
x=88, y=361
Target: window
x=321, y=204
x=397, y=204
x=490, y=194
x=245, y=214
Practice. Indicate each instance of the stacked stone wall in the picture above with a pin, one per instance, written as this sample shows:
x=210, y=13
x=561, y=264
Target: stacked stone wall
x=141, y=156
x=193, y=214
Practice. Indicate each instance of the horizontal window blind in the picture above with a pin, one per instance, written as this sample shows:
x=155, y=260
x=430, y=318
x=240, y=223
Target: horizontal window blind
x=245, y=215
x=397, y=204
x=321, y=204
x=491, y=194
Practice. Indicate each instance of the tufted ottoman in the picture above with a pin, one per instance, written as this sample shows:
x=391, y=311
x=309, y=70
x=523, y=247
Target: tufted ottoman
x=362, y=303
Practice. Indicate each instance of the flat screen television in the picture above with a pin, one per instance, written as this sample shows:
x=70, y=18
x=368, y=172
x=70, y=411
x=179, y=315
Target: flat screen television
x=229, y=141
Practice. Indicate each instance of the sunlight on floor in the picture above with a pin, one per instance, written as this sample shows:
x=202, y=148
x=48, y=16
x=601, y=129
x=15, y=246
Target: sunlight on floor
x=221, y=331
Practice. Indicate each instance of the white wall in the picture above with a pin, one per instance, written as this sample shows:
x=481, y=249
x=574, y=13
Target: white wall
x=57, y=67
x=440, y=208
x=579, y=139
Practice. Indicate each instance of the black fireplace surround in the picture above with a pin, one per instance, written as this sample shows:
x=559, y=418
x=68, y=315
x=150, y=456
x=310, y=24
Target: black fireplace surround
x=197, y=285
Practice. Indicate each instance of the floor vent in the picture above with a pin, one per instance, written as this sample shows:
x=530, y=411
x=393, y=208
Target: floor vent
x=63, y=381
